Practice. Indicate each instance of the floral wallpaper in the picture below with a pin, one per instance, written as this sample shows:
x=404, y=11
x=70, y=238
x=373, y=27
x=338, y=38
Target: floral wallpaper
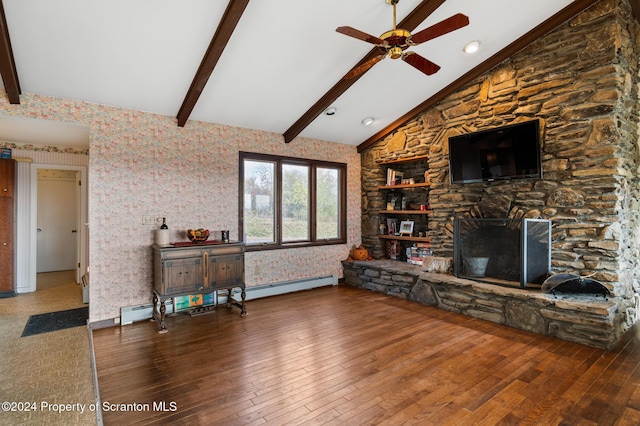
x=29, y=147
x=143, y=164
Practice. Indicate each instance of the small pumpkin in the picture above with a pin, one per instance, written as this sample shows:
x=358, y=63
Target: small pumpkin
x=359, y=253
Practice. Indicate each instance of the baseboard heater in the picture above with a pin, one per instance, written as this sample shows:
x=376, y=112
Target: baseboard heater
x=130, y=314
x=282, y=287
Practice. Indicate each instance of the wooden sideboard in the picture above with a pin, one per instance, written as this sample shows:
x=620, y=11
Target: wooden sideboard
x=184, y=269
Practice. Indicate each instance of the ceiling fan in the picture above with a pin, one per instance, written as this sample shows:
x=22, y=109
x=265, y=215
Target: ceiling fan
x=396, y=41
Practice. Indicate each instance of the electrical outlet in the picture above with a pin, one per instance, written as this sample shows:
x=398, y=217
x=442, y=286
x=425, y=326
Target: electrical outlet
x=148, y=220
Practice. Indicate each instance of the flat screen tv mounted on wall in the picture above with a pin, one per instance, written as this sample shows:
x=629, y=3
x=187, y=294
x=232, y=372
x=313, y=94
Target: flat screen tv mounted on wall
x=507, y=152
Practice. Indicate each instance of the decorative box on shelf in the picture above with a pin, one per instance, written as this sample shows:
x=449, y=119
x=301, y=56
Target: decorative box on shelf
x=190, y=301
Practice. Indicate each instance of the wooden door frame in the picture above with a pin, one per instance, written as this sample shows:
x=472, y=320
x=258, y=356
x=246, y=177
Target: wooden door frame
x=82, y=248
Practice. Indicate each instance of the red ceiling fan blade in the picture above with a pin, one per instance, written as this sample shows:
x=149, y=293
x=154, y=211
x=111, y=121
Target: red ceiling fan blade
x=420, y=63
x=352, y=32
x=364, y=67
x=452, y=23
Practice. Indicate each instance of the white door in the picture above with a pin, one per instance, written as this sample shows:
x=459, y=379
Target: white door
x=56, y=221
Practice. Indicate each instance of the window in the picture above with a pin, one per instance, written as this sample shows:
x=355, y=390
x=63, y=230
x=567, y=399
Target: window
x=291, y=202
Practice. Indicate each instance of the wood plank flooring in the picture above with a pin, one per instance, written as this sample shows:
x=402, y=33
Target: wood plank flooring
x=345, y=356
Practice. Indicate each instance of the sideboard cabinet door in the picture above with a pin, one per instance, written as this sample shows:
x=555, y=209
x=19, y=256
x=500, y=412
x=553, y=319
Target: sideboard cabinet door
x=226, y=271
x=183, y=275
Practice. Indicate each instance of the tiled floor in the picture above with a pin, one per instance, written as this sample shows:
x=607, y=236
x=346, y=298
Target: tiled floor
x=38, y=372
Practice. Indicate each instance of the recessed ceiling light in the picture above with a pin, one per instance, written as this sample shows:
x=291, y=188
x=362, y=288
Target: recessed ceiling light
x=330, y=110
x=472, y=47
x=367, y=121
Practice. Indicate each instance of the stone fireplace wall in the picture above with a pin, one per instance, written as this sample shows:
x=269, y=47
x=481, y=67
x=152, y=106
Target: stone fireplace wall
x=581, y=81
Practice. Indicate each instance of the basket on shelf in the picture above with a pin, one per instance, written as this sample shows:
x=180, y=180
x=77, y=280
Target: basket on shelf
x=198, y=235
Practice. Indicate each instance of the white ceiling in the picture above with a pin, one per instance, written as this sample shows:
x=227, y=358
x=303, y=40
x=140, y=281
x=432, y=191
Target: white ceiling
x=282, y=57
x=44, y=132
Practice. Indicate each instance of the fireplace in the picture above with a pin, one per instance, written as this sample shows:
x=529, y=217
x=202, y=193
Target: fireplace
x=511, y=252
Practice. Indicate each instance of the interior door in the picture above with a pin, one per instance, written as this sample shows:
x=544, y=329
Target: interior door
x=57, y=222
x=80, y=227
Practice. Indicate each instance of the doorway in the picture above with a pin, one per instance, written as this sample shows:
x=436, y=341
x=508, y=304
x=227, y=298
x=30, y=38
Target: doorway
x=57, y=221
x=59, y=232
x=56, y=251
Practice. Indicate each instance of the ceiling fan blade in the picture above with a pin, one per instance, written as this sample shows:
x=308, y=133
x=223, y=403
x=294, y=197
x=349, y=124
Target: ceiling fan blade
x=352, y=32
x=364, y=67
x=420, y=63
x=452, y=23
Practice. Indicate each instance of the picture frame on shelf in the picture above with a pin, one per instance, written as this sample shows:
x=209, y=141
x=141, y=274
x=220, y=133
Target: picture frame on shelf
x=406, y=227
x=391, y=226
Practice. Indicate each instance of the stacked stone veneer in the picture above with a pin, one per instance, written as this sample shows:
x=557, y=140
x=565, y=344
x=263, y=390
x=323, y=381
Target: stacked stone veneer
x=581, y=82
x=586, y=319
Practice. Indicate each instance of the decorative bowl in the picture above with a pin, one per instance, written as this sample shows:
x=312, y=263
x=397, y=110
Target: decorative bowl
x=198, y=235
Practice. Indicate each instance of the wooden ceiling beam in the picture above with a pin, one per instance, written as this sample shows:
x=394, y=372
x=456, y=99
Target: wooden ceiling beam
x=635, y=7
x=410, y=23
x=7, y=62
x=223, y=33
x=576, y=7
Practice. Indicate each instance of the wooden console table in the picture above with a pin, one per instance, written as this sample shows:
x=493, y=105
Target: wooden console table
x=183, y=269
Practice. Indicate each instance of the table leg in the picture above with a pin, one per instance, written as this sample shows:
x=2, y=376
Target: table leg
x=155, y=307
x=163, y=314
x=233, y=302
x=229, y=299
x=159, y=314
x=243, y=295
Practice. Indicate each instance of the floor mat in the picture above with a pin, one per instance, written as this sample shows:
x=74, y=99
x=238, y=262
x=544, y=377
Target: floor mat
x=53, y=321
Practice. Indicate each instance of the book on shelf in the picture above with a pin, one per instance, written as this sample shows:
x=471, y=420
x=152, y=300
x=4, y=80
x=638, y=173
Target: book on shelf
x=397, y=177
x=417, y=253
x=394, y=177
x=415, y=260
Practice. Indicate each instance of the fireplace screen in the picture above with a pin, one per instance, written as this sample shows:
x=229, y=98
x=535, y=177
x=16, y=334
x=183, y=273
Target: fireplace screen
x=512, y=252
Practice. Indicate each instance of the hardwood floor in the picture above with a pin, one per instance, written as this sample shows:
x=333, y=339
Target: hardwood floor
x=344, y=356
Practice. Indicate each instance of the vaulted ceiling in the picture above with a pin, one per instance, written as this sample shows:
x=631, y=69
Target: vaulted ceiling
x=270, y=65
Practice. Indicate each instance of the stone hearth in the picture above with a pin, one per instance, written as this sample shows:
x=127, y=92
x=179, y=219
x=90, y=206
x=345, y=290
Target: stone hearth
x=585, y=319
x=582, y=81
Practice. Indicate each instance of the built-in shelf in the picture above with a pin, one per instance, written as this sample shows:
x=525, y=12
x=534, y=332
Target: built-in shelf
x=405, y=160
x=425, y=212
x=425, y=185
x=404, y=238
x=407, y=185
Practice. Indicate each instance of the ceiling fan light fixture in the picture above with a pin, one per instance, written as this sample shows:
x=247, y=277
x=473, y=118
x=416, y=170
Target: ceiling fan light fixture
x=395, y=52
x=368, y=121
x=394, y=42
x=471, y=47
x=330, y=111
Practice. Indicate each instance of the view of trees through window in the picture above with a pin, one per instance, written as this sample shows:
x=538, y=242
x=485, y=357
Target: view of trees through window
x=301, y=199
x=295, y=202
x=327, y=203
x=259, y=205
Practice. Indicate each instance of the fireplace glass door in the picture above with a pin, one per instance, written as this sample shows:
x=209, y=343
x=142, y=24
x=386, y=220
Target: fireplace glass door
x=511, y=252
